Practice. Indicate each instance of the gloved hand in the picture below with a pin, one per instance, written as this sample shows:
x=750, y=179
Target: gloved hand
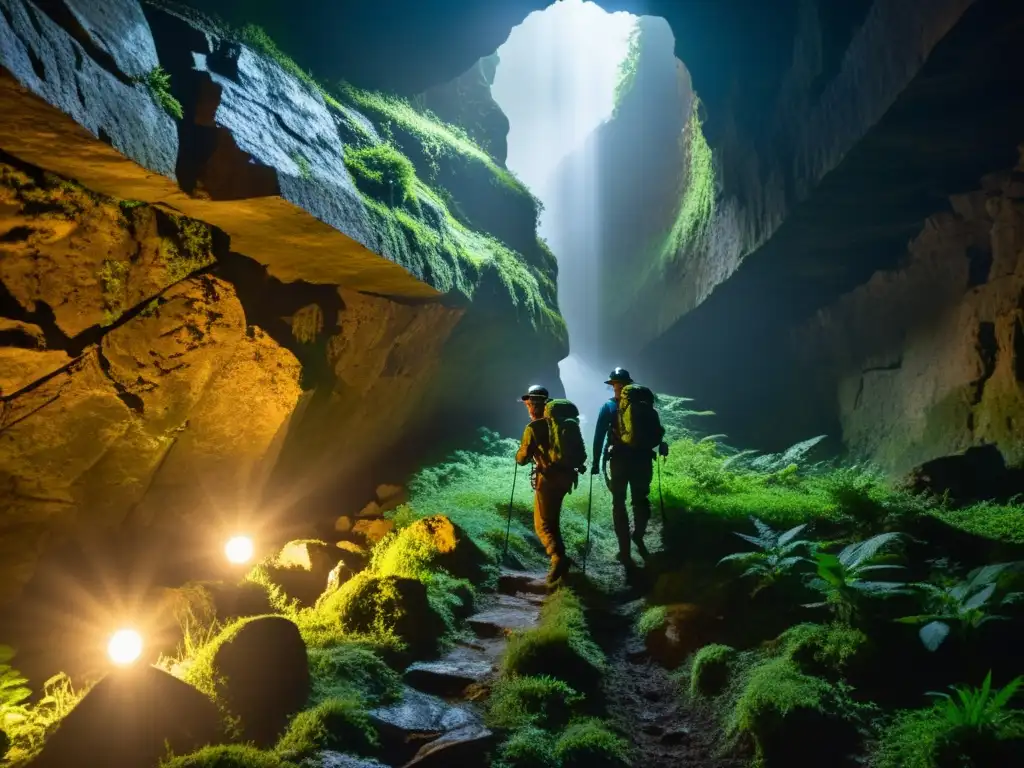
x=663, y=449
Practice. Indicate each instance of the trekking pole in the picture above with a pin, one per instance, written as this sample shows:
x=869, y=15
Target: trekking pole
x=661, y=499
x=590, y=500
x=508, y=526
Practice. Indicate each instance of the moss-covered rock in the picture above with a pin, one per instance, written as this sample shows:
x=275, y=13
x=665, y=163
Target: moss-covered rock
x=590, y=744
x=299, y=572
x=389, y=606
x=229, y=756
x=710, y=670
x=340, y=725
x=352, y=669
x=257, y=671
x=528, y=747
x=428, y=544
x=517, y=702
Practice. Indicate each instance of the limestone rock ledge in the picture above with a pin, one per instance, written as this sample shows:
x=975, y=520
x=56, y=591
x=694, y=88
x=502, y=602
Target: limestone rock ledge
x=204, y=322
x=928, y=360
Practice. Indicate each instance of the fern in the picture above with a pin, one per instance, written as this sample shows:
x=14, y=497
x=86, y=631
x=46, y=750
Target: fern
x=776, y=555
x=844, y=579
x=966, y=605
x=982, y=710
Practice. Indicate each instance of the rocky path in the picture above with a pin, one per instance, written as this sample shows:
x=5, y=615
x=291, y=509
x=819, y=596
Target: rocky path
x=644, y=699
x=436, y=722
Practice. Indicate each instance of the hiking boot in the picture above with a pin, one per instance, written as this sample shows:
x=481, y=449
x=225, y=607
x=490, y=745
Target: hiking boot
x=559, y=567
x=641, y=548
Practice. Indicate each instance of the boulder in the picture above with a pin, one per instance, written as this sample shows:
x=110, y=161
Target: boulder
x=391, y=497
x=369, y=603
x=372, y=531
x=344, y=524
x=449, y=676
x=454, y=550
x=129, y=719
x=978, y=473
x=685, y=629
x=302, y=569
x=263, y=676
x=370, y=510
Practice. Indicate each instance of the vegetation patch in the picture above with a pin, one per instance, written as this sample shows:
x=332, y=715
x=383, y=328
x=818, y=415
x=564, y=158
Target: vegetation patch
x=590, y=744
x=340, y=725
x=709, y=671
x=351, y=669
x=628, y=67
x=997, y=522
x=229, y=756
x=519, y=702
x=560, y=646
x=158, y=81
x=383, y=173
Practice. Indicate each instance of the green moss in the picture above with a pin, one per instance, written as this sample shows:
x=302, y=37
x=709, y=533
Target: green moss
x=709, y=672
x=773, y=690
x=560, y=646
x=628, y=66
x=340, y=725
x=303, y=165
x=528, y=748
x=158, y=82
x=352, y=669
x=997, y=522
x=113, y=277
x=192, y=252
x=203, y=673
x=589, y=744
x=387, y=606
x=384, y=173
x=821, y=649
x=438, y=138
x=697, y=207
x=518, y=702
x=651, y=620
x=233, y=756
x=258, y=39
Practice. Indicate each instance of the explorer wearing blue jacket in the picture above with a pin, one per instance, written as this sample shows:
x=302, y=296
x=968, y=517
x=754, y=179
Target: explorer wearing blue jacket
x=628, y=469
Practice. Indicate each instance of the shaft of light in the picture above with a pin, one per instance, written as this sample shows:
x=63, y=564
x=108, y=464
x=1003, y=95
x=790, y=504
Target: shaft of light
x=239, y=549
x=125, y=647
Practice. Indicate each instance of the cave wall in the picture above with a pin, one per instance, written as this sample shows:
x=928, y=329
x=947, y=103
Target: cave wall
x=926, y=360
x=202, y=323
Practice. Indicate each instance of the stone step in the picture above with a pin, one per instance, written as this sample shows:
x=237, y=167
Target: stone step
x=530, y=582
x=506, y=614
x=417, y=719
x=451, y=675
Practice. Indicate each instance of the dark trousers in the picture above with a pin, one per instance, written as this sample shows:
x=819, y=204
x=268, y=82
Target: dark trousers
x=551, y=489
x=633, y=472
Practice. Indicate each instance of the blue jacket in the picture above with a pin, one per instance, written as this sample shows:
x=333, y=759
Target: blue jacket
x=605, y=428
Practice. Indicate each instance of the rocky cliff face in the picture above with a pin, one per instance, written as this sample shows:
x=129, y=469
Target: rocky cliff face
x=926, y=360
x=230, y=300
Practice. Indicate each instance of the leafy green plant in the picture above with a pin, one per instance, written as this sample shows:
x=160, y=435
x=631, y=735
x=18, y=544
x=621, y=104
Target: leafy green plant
x=981, y=709
x=844, y=579
x=776, y=555
x=966, y=605
x=28, y=724
x=158, y=81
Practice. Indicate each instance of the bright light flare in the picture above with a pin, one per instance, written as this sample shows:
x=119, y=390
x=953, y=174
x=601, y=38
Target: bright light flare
x=239, y=549
x=125, y=646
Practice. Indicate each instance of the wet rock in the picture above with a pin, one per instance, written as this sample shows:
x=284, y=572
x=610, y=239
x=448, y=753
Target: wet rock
x=339, y=760
x=417, y=718
x=265, y=674
x=451, y=675
x=129, y=719
x=506, y=615
x=467, y=746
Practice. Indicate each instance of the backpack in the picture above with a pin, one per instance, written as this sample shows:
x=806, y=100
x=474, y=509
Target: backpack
x=565, y=446
x=639, y=425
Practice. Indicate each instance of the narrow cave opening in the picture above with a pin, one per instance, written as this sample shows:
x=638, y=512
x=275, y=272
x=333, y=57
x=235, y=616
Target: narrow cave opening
x=597, y=105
